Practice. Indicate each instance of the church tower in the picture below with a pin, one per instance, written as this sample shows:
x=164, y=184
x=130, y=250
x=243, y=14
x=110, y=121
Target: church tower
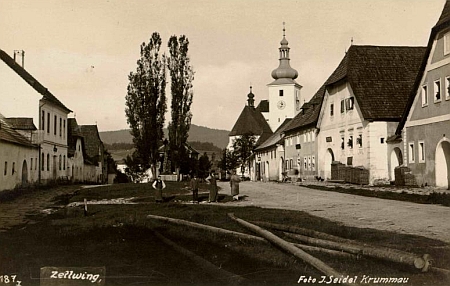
x=284, y=92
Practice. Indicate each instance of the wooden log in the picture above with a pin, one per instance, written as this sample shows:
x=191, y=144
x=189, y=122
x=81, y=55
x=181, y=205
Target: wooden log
x=303, y=231
x=204, y=264
x=213, y=229
x=311, y=260
x=244, y=236
x=387, y=254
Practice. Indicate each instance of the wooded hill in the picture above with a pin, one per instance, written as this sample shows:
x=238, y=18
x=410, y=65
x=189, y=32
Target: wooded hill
x=196, y=133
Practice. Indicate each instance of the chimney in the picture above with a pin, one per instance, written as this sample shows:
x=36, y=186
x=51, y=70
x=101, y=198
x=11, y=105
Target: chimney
x=17, y=55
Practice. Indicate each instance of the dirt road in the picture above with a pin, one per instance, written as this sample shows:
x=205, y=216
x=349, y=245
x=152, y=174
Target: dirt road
x=432, y=221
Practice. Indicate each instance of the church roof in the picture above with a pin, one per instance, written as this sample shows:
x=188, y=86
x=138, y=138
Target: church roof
x=442, y=23
x=275, y=138
x=263, y=106
x=251, y=121
x=47, y=95
x=381, y=78
x=309, y=113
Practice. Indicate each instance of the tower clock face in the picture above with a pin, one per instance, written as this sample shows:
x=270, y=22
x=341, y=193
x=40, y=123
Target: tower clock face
x=281, y=104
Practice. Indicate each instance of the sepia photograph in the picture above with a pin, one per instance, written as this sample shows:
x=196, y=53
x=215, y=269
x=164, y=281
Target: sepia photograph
x=224, y=142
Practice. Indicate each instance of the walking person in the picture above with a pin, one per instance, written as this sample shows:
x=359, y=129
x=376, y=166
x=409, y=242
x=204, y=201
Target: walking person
x=159, y=185
x=194, y=187
x=213, y=195
x=234, y=183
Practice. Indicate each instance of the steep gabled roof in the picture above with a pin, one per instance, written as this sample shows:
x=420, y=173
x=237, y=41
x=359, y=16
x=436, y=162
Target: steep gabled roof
x=263, y=106
x=47, y=95
x=73, y=134
x=8, y=134
x=92, y=141
x=251, y=121
x=309, y=113
x=381, y=78
x=275, y=138
x=442, y=23
x=21, y=123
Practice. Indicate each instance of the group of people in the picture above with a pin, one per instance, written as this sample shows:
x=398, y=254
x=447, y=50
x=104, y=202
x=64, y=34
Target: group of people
x=159, y=185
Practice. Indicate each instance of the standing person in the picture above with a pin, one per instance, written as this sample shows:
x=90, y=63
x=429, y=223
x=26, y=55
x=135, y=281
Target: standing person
x=213, y=196
x=234, y=183
x=194, y=188
x=159, y=185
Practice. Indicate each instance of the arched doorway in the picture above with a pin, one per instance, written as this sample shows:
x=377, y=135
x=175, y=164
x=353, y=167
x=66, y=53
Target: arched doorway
x=329, y=158
x=396, y=160
x=281, y=169
x=443, y=164
x=24, y=173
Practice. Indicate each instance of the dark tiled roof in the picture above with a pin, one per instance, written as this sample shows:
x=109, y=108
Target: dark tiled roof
x=92, y=141
x=445, y=16
x=251, y=121
x=47, y=95
x=263, y=106
x=73, y=133
x=309, y=113
x=20, y=123
x=443, y=23
x=275, y=138
x=381, y=78
x=8, y=134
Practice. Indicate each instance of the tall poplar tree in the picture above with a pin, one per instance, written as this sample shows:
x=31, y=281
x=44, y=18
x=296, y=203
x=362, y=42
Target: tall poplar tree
x=146, y=103
x=181, y=76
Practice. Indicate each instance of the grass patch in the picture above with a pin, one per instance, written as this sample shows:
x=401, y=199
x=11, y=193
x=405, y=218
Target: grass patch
x=433, y=198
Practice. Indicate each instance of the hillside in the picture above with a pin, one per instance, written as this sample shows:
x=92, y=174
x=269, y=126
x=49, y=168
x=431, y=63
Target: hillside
x=197, y=133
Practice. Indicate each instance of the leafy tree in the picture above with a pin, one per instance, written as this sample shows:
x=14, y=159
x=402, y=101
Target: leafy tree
x=134, y=169
x=146, y=103
x=204, y=166
x=229, y=161
x=181, y=76
x=242, y=148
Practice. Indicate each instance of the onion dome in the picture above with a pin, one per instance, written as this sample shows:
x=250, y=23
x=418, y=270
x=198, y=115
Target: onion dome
x=250, y=100
x=284, y=70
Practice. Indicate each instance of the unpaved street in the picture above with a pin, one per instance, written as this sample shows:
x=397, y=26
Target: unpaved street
x=431, y=221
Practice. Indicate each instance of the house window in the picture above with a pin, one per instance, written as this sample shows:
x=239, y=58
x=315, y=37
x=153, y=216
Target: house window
x=359, y=140
x=349, y=103
x=5, y=172
x=313, y=136
x=331, y=109
x=437, y=91
x=60, y=127
x=382, y=140
x=13, y=168
x=43, y=120
x=42, y=163
x=447, y=88
x=64, y=134
x=411, y=153
x=424, y=95
x=35, y=163
x=64, y=162
x=305, y=162
x=349, y=161
x=447, y=44
x=280, y=92
x=48, y=122
x=48, y=162
x=31, y=165
x=308, y=136
x=421, y=152
x=342, y=106
x=60, y=163
x=342, y=143
x=350, y=142
x=54, y=124
x=309, y=162
x=313, y=163
x=291, y=164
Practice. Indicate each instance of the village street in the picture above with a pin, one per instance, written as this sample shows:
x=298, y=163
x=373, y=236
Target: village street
x=431, y=221
x=403, y=217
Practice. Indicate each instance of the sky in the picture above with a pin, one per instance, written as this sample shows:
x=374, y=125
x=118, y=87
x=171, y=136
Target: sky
x=84, y=50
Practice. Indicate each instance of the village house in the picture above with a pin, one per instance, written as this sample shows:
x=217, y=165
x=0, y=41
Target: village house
x=26, y=97
x=424, y=132
x=362, y=106
x=300, y=142
x=95, y=167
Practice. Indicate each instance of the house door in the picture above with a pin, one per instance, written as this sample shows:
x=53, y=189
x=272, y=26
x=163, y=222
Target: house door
x=24, y=173
x=443, y=164
x=329, y=158
x=396, y=160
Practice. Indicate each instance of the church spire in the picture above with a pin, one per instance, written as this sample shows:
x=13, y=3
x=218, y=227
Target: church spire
x=284, y=69
x=251, y=100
